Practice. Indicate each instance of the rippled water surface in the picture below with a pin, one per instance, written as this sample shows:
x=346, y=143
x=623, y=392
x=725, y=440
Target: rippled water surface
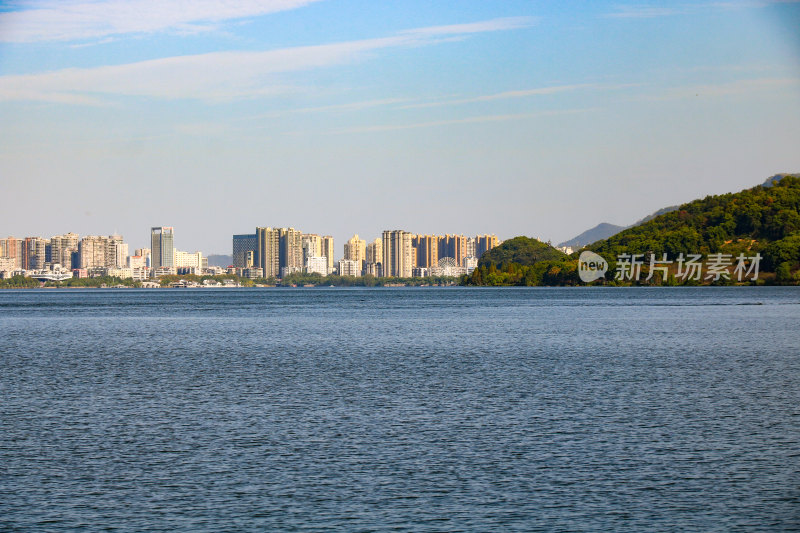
x=400, y=409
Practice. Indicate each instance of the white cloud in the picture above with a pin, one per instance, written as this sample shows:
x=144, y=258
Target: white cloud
x=468, y=120
x=65, y=20
x=215, y=76
x=642, y=11
x=506, y=95
x=762, y=86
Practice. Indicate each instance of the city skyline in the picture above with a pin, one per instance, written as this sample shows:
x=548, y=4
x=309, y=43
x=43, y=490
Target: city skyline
x=275, y=252
x=519, y=118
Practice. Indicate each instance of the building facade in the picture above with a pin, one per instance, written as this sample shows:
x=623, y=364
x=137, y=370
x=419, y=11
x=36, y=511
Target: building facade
x=318, y=265
x=427, y=247
x=242, y=244
x=268, y=241
x=397, y=254
x=162, y=241
x=348, y=267
x=356, y=250
x=328, y=251
x=484, y=243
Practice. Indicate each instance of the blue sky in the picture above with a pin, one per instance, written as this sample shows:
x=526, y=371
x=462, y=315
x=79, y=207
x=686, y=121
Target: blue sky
x=341, y=117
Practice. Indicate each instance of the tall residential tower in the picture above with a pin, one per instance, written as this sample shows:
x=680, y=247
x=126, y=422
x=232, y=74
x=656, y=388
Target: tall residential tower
x=162, y=247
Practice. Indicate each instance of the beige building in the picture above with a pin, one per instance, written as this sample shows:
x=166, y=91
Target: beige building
x=291, y=258
x=484, y=243
x=92, y=250
x=312, y=245
x=12, y=248
x=427, y=247
x=188, y=260
x=117, y=252
x=61, y=249
x=356, y=250
x=373, y=257
x=454, y=246
x=268, y=255
x=328, y=251
x=34, y=253
x=397, y=254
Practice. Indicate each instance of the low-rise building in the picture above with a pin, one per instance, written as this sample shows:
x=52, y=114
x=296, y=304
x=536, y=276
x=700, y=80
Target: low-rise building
x=317, y=265
x=348, y=267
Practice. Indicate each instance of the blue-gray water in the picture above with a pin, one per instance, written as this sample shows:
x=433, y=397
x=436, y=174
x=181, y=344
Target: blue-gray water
x=402, y=409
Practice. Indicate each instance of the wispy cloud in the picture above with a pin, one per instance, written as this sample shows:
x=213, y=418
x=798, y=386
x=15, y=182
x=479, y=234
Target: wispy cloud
x=468, y=120
x=217, y=76
x=69, y=20
x=762, y=86
x=642, y=11
x=522, y=93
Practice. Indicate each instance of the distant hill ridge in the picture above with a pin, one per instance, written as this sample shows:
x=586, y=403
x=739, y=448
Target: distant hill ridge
x=763, y=219
x=604, y=230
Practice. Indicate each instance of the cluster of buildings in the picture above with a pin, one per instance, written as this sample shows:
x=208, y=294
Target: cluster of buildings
x=267, y=253
x=69, y=255
x=278, y=252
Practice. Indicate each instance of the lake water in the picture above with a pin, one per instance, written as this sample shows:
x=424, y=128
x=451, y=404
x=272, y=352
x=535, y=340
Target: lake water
x=427, y=409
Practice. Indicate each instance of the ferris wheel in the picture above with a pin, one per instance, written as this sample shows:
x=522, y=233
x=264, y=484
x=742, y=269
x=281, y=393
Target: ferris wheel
x=446, y=266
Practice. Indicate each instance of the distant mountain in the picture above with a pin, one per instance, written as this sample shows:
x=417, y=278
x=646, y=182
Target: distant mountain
x=220, y=260
x=761, y=219
x=604, y=230
x=772, y=180
x=648, y=218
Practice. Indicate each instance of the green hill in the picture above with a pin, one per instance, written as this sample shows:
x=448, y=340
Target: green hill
x=520, y=250
x=523, y=261
x=761, y=219
x=764, y=219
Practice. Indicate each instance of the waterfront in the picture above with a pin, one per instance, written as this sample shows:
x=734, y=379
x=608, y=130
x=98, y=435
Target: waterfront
x=409, y=409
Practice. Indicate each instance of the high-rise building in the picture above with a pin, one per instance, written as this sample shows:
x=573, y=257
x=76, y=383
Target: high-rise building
x=470, y=246
x=241, y=245
x=374, y=257
x=34, y=253
x=92, y=251
x=454, y=246
x=61, y=249
x=312, y=246
x=162, y=240
x=291, y=251
x=146, y=253
x=117, y=252
x=397, y=254
x=12, y=248
x=327, y=250
x=484, y=243
x=356, y=250
x=374, y=251
x=427, y=247
x=267, y=258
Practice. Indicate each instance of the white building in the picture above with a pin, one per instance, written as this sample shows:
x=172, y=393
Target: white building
x=317, y=265
x=185, y=259
x=121, y=273
x=140, y=273
x=470, y=263
x=348, y=267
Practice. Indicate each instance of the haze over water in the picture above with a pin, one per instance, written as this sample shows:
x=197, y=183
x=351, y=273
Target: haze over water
x=408, y=409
